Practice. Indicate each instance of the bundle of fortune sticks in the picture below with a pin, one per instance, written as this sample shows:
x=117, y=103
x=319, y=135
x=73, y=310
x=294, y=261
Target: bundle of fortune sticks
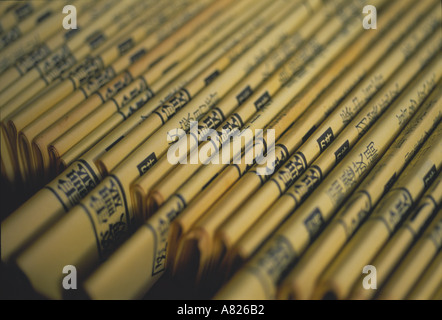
x=220, y=149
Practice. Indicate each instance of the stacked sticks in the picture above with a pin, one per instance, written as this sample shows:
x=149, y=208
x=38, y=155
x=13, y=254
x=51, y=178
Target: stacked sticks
x=349, y=207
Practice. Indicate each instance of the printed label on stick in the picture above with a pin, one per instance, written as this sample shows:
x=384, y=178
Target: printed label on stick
x=108, y=210
x=75, y=183
x=160, y=230
x=147, y=163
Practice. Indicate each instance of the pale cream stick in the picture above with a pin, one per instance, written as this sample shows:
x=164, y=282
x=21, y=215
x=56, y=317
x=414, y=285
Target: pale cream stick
x=350, y=135
x=128, y=110
x=145, y=59
x=290, y=141
x=415, y=262
x=272, y=16
x=270, y=65
x=256, y=206
x=43, y=50
x=79, y=213
x=265, y=92
x=388, y=258
x=54, y=91
x=42, y=141
x=17, y=14
x=258, y=278
x=258, y=224
x=200, y=237
x=73, y=81
x=114, y=112
x=125, y=288
x=118, y=184
x=346, y=269
x=58, y=196
x=36, y=79
x=430, y=281
x=223, y=59
x=8, y=165
x=27, y=134
x=38, y=51
x=200, y=104
x=147, y=104
x=7, y=7
x=270, y=221
x=30, y=22
x=105, y=84
x=438, y=294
